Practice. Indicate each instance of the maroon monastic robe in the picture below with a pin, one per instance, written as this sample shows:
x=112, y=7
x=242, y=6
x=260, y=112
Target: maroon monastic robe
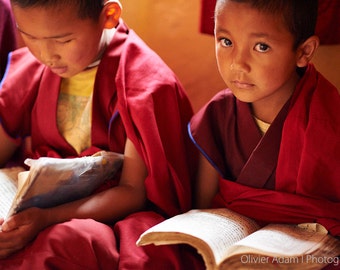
x=289, y=175
x=136, y=96
x=7, y=34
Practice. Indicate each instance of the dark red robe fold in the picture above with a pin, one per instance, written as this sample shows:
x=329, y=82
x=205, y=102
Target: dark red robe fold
x=136, y=96
x=307, y=171
x=8, y=41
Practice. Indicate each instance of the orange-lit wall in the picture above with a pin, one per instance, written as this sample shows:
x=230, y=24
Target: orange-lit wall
x=327, y=61
x=171, y=28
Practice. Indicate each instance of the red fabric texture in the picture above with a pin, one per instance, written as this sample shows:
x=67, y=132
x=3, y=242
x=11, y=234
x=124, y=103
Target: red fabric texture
x=136, y=96
x=310, y=146
x=74, y=245
x=327, y=27
x=87, y=244
x=268, y=206
x=84, y=248
x=207, y=16
x=7, y=34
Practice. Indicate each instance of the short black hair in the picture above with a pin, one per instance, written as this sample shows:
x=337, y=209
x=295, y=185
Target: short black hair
x=87, y=9
x=300, y=16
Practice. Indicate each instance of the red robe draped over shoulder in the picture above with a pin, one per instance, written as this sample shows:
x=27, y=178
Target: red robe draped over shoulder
x=135, y=96
x=303, y=182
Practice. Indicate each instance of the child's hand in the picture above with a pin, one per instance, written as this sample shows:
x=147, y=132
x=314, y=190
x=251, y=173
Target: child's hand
x=20, y=229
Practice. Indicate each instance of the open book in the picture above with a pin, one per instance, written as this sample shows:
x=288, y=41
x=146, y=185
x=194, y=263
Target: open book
x=227, y=240
x=54, y=181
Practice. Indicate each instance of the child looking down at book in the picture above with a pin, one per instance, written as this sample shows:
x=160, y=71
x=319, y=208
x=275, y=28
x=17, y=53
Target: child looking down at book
x=270, y=142
x=85, y=83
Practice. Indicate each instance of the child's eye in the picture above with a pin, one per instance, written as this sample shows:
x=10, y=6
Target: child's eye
x=226, y=42
x=261, y=47
x=31, y=38
x=64, y=41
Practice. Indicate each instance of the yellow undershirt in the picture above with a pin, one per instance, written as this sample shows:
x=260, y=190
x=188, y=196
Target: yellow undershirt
x=263, y=126
x=74, y=112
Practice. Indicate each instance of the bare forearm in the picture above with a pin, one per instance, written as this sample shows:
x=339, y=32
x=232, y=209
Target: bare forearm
x=107, y=206
x=206, y=185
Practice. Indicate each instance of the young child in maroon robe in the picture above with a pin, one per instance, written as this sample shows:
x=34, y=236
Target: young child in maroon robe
x=270, y=142
x=85, y=83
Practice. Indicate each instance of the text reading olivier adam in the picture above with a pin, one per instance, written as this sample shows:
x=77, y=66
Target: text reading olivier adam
x=252, y=259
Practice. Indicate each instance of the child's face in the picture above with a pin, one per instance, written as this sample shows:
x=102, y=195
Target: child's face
x=255, y=55
x=58, y=38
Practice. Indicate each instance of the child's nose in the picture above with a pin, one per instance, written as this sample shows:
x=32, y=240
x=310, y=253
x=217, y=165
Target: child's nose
x=48, y=55
x=240, y=60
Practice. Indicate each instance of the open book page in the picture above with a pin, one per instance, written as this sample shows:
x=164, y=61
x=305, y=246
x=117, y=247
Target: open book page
x=307, y=246
x=8, y=188
x=198, y=225
x=227, y=240
x=22, y=179
x=284, y=240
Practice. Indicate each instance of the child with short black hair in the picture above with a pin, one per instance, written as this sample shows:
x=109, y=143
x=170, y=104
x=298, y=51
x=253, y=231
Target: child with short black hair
x=270, y=142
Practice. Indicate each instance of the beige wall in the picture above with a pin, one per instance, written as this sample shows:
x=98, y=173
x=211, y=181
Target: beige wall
x=171, y=28
x=327, y=61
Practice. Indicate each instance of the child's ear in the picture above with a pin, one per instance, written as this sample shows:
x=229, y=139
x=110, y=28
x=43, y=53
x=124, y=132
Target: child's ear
x=306, y=50
x=111, y=13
